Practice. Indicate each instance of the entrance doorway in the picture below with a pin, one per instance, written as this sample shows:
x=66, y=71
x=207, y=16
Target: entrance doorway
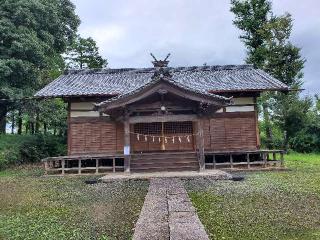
x=163, y=136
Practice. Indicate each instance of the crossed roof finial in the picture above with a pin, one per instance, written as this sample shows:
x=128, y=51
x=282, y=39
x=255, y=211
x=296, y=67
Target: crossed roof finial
x=160, y=63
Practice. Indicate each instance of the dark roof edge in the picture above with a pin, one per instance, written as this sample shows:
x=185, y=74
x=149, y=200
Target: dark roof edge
x=251, y=90
x=74, y=96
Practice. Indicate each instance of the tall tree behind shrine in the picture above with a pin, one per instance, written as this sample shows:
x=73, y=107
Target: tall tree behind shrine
x=84, y=53
x=266, y=38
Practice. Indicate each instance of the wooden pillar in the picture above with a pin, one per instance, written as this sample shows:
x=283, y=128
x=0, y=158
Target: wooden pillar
x=248, y=160
x=46, y=167
x=200, y=144
x=231, y=161
x=127, y=147
x=79, y=166
x=63, y=166
x=114, y=165
x=264, y=157
x=281, y=159
x=97, y=165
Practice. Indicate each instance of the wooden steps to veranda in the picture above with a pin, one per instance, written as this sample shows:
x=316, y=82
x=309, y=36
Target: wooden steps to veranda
x=164, y=161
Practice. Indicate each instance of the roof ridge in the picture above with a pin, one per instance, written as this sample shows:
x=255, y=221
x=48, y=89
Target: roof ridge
x=152, y=69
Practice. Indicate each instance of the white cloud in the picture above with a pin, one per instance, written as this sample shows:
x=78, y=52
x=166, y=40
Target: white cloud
x=105, y=35
x=194, y=32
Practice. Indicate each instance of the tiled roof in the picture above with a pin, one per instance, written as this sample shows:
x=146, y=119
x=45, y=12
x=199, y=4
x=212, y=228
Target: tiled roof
x=202, y=79
x=155, y=80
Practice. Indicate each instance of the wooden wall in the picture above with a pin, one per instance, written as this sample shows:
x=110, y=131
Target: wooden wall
x=226, y=131
x=94, y=135
x=231, y=128
x=231, y=131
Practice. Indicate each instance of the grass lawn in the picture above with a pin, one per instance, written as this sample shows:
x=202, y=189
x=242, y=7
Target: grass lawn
x=36, y=207
x=266, y=205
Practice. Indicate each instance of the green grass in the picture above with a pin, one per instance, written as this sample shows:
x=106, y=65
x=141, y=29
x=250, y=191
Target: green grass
x=37, y=207
x=266, y=205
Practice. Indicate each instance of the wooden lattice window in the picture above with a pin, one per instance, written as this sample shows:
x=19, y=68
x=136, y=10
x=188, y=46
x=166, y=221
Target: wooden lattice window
x=168, y=128
x=148, y=128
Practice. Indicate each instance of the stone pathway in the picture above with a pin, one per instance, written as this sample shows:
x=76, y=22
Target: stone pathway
x=168, y=213
x=212, y=174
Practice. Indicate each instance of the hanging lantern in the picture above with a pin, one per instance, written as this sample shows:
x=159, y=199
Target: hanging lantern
x=188, y=138
x=172, y=139
x=152, y=138
x=159, y=139
x=165, y=140
x=138, y=137
x=145, y=138
x=180, y=139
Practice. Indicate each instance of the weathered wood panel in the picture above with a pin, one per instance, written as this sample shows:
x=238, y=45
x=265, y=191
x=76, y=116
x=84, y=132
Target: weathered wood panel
x=230, y=133
x=225, y=131
x=95, y=137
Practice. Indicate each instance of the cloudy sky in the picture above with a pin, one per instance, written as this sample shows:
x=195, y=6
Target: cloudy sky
x=193, y=31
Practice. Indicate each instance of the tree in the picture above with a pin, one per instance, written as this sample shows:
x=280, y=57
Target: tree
x=282, y=60
x=84, y=53
x=250, y=17
x=32, y=32
x=266, y=38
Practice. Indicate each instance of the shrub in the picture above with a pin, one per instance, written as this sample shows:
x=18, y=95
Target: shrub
x=17, y=149
x=306, y=140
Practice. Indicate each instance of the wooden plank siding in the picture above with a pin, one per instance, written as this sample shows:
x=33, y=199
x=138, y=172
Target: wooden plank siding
x=227, y=131
x=224, y=131
x=95, y=137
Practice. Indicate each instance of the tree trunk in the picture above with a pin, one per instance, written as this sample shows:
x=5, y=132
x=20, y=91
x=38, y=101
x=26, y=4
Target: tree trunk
x=45, y=128
x=32, y=127
x=3, y=118
x=269, y=135
x=27, y=125
x=37, y=123
x=12, y=123
x=19, y=122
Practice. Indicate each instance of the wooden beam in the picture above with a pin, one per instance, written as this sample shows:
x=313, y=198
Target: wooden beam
x=231, y=161
x=97, y=165
x=281, y=159
x=46, y=167
x=165, y=118
x=79, y=166
x=62, y=166
x=127, y=147
x=264, y=157
x=200, y=144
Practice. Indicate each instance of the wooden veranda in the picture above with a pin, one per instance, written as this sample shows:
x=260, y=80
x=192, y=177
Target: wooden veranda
x=106, y=163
